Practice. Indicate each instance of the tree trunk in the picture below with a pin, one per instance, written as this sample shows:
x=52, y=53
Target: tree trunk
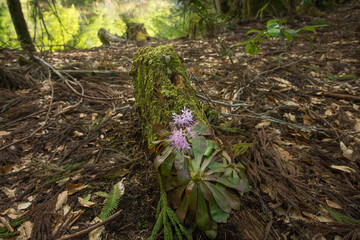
x=136, y=31
x=106, y=38
x=161, y=87
x=19, y=22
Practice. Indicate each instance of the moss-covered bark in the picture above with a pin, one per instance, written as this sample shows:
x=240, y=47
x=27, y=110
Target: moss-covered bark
x=161, y=87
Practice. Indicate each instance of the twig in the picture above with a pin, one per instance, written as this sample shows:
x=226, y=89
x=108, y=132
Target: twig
x=275, y=120
x=342, y=96
x=223, y=103
x=92, y=227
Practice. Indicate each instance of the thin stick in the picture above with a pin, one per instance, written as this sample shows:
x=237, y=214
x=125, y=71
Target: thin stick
x=92, y=227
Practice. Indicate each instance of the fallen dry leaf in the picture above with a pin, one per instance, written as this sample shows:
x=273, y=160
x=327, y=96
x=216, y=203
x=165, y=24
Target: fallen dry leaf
x=333, y=204
x=343, y=168
x=8, y=192
x=73, y=188
x=85, y=202
x=263, y=124
x=61, y=200
x=23, y=206
x=25, y=231
x=346, y=152
x=97, y=232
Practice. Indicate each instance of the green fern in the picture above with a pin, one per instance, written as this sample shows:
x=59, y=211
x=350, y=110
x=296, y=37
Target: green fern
x=166, y=218
x=111, y=203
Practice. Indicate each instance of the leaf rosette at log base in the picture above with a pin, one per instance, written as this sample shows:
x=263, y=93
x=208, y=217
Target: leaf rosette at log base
x=200, y=177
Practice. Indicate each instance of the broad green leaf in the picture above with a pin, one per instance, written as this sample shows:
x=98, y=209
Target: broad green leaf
x=219, y=197
x=307, y=28
x=291, y=34
x=205, y=191
x=232, y=200
x=242, y=43
x=217, y=214
x=208, y=160
x=183, y=208
x=203, y=220
x=254, y=30
x=179, y=160
x=199, y=148
x=228, y=171
x=183, y=174
x=236, y=183
x=252, y=48
x=189, y=188
x=216, y=167
x=274, y=32
x=167, y=165
x=178, y=195
x=193, y=200
x=212, y=233
x=226, y=156
x=210, y=145
x=202, y=129
x=161, y=158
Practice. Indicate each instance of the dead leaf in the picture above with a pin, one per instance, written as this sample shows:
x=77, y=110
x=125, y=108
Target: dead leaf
x=78, y=134
x=73, y=188
x=61, y=200
x=7, y=224
x=25, y=231
x=333, y=204
x=96, y=233
x=5, y=169
x=346, y=152
x=343, y=168
x=85, y=201
x=4, y=133
x=23, y=206
x=263, y=124
x=8, y=192
x=307, y=120
x=290, y=116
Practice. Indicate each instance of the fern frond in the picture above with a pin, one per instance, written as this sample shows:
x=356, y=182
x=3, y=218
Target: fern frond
x=111, y=203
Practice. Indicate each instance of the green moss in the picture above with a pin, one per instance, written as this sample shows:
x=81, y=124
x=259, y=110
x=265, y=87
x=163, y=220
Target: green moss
x=157, y=92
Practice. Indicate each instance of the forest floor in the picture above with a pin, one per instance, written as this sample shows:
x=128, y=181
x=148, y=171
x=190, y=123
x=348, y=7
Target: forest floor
x=63, y=149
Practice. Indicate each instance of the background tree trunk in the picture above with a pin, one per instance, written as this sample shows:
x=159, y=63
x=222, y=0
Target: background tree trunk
x=19, y=22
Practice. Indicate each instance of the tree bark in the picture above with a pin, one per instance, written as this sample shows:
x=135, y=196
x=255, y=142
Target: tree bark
x=161, y=87
x=19, y=22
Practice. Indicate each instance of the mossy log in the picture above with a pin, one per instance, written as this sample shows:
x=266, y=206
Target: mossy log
x=161, y=87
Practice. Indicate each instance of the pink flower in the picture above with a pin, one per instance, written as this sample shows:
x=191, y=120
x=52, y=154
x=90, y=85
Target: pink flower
x=185, y=119
x=178, y=139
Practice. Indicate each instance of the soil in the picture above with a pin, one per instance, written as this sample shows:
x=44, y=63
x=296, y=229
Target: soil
x=298, y=103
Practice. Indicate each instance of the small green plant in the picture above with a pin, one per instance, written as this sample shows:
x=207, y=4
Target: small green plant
x=198, y=174
x=112, y=201
x=274, y=28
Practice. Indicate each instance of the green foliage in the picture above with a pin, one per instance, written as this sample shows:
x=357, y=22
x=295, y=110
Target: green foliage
x=111, y=203
x=200, y=181
x=341, y=218
x=276, y=29
x=4, y=232
x=167, y=219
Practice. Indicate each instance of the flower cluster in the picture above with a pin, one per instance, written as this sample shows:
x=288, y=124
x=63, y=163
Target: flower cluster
x=185, y=119
x=178, y=136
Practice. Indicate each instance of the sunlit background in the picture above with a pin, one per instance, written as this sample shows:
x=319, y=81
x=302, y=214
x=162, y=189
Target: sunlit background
x=74, y=23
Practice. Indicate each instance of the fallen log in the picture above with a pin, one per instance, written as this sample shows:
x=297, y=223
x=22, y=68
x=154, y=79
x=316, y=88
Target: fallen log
x=191, y=163
x=106, y=38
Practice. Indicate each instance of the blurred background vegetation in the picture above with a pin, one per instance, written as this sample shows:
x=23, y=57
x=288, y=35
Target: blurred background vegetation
x=75, y=23
x=67, y=24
